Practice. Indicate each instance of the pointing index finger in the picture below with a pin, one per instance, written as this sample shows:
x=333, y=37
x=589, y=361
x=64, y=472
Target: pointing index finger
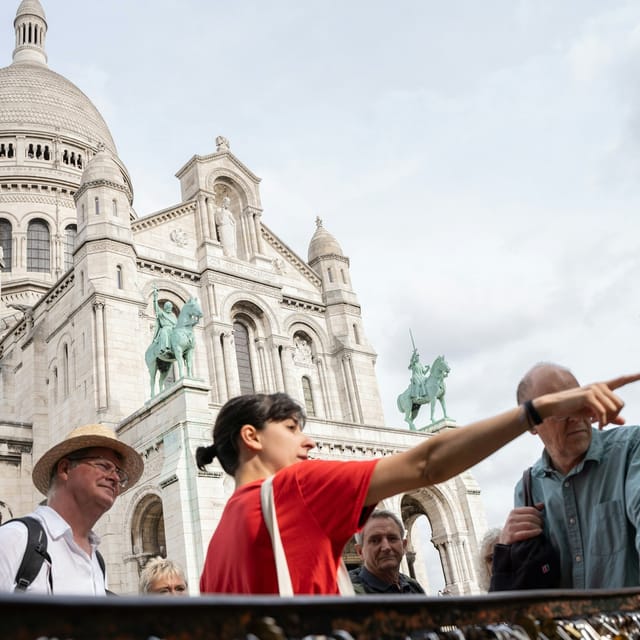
x=616, y=383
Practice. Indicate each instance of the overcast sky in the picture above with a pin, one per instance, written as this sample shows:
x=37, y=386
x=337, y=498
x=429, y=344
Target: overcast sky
x=477, y=161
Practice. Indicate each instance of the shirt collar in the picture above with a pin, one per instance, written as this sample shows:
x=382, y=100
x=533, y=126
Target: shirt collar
x=379, y=585
x=57, y=527
x=594, y=453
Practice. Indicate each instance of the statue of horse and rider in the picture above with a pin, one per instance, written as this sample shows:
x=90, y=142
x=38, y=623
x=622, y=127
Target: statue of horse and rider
x=173, y=341
x=426, y=387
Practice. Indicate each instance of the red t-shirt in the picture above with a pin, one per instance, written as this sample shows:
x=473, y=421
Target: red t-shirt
x=319, y=506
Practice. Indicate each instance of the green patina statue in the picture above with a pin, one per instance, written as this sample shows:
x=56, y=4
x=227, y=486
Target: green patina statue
x=426, y=386
x=173, y=340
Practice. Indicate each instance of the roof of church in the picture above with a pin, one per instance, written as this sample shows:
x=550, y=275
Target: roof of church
x=34, y=99
x=323, y=243
x=31, y=7
x=102, y=167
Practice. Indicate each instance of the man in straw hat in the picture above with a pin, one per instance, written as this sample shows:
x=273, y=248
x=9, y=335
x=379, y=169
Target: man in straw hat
x=81, y=476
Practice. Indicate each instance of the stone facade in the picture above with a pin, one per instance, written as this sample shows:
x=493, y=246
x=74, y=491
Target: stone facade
x=79, y=270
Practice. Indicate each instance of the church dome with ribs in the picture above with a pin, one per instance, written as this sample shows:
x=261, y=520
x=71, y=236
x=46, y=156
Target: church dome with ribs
x=46, y=122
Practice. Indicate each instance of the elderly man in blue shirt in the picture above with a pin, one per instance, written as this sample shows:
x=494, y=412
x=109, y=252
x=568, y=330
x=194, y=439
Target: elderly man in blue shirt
x=586, y=488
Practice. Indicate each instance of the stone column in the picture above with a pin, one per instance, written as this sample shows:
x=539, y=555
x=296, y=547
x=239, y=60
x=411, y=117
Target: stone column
x=101, y=376
x=211, y=215
x=265, y=371
x=231, y=364
x=20, y=251
x=218, y=364
x=21, y=147
x=288, y=370
x=201, y=216
x=277, y=367
x=259, y=383
x=324, y=386
x=347, y=374
x=244, y=236
x=258, y=225
x=356, y=393
x=318, y=396
x=252, y=231
x=57, y=255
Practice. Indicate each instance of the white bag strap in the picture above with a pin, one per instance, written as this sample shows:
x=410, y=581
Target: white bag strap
x=345, y=586
x=269, y=514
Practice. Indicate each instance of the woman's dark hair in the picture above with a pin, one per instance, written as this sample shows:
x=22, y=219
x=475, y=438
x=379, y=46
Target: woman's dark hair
x=255, y=409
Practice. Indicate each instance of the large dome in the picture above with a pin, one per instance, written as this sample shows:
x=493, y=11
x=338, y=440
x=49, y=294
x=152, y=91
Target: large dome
x=35, y=99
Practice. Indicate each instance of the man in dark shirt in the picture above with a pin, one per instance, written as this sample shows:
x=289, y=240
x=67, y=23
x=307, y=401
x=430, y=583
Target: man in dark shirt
x=382, y=544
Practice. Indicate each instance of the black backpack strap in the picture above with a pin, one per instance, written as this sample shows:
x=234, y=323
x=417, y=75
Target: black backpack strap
x=101, y=563
x=35, y=553
x=526, y=488
x=100, y=559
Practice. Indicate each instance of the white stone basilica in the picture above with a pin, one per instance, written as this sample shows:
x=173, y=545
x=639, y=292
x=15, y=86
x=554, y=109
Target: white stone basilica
x=79, y=269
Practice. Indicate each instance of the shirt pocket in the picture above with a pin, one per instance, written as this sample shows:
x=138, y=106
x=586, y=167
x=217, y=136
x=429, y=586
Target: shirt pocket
x=609, y=528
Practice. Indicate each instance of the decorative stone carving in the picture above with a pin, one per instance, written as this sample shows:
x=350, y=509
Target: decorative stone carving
x=179, y=237
x=222, y=144
x=278, y=265
x=302, y=353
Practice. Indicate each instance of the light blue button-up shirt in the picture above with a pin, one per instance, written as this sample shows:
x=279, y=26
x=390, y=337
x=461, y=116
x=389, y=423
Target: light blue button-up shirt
x=592, y=514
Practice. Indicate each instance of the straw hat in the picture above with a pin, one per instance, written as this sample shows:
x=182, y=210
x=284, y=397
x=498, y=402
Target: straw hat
x=90, y=435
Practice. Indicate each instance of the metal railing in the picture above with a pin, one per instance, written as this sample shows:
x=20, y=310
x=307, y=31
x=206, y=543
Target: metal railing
x=535, y=615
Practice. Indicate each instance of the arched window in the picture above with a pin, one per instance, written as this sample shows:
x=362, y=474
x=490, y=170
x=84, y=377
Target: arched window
x=308, y=396
x=38, y=246
x=97, y=203
x=114, y=203
x=243, y=357
x=119, y=277
x=147, y=533
x=70, y=232
x=330, y=274
x=356, y=334
x=6, y=243
x=82, y=212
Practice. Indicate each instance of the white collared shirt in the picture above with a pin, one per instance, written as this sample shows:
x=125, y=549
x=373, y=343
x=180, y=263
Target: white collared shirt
x=72, y=570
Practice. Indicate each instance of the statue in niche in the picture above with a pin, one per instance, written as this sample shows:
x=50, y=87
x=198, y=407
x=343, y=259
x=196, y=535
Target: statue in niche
x=302, y=351
x=226, y=227
x=222, y=144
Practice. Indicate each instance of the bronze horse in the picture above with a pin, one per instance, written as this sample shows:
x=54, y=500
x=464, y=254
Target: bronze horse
x=433, y=389
x=182, y=343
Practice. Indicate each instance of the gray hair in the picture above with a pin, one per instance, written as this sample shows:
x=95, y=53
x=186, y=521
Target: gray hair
x=157, y=567
x=380, y=513
x=487, y=543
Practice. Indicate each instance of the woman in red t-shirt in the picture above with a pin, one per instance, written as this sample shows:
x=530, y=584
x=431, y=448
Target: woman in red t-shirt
x=321, y=504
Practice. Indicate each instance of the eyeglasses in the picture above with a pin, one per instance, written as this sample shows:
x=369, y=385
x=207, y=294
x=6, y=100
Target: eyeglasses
x=107, y=467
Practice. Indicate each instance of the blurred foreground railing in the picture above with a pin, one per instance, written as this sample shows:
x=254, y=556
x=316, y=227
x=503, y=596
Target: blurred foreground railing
x=538, y=615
